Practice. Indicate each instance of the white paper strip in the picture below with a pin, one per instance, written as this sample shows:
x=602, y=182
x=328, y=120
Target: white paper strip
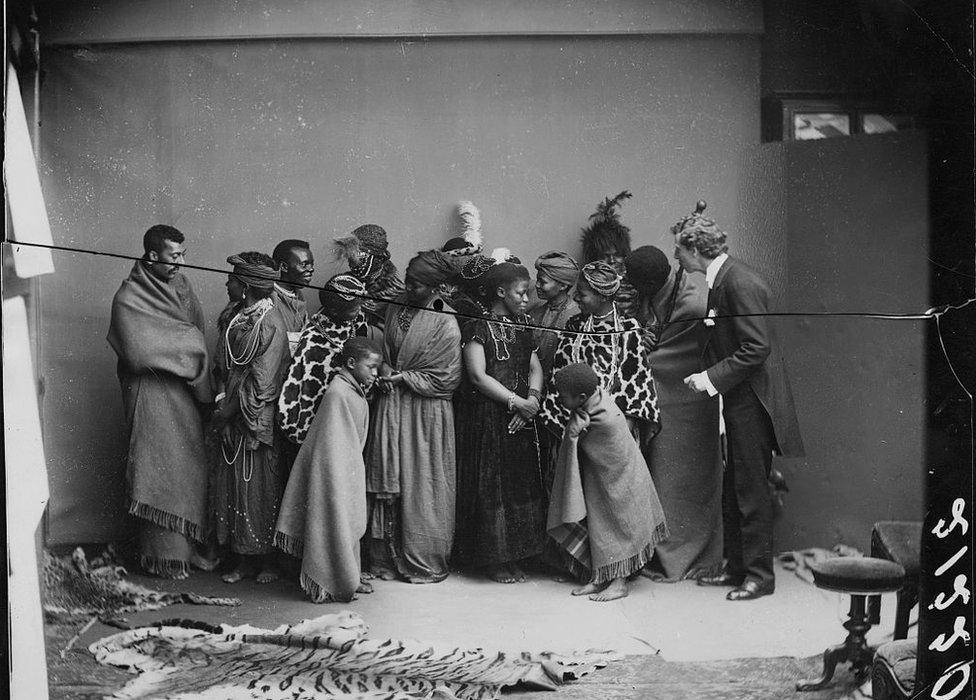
x=27, y=495
x=24, y=196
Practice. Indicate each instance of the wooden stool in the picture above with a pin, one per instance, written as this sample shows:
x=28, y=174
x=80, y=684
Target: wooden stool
x=860, y=578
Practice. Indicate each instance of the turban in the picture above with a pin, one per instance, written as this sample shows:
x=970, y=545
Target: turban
x=431, y=268
x=342, y=293
x=601, y=277
x=502, y=275
x=648, y=269
x=558, y=266
x=346, y=287
x=576, y=379
x=253, y=274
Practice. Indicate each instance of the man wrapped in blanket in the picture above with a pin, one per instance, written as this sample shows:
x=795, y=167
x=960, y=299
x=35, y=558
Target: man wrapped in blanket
x=157, y=333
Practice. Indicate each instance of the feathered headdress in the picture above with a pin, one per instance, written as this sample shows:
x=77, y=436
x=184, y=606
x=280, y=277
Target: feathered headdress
x=469, y=242
x=346, y=248
x=605, y=231
x=500, y=255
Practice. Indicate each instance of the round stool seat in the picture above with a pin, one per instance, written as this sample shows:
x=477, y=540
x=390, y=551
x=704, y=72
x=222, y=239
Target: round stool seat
x=858, y=575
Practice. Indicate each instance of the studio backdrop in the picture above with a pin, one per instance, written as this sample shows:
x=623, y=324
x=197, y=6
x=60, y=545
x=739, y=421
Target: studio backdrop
x=241, y=141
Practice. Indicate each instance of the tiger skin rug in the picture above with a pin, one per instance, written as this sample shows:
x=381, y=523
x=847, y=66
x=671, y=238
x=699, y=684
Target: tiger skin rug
x=327, y=657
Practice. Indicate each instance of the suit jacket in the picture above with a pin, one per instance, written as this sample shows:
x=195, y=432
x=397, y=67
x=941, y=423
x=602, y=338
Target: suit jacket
x=741, y=349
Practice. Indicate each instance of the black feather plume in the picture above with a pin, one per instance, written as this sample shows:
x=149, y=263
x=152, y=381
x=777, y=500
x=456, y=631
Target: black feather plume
x=607, y=209
x=605, y=230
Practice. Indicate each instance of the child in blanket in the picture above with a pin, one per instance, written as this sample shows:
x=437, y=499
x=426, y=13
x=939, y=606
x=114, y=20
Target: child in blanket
x=323, y=513
x=604, y=514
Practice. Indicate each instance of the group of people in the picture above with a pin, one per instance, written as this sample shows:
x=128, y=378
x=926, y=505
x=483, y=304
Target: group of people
x=417, y=425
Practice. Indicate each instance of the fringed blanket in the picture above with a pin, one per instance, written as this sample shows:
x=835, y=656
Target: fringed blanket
x=156, y=331
x=323, y=512
x=327, y=657
x=604, y=512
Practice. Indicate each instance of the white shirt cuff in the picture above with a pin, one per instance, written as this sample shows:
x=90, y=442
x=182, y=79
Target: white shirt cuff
x=709, y=387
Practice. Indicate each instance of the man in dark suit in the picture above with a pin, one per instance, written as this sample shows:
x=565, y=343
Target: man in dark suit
x=742, y=365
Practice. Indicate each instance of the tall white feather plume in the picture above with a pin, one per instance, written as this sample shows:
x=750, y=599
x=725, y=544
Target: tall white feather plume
x=470, y=222
x=500, y=255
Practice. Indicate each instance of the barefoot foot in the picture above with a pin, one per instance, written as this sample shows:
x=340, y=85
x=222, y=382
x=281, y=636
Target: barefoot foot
x=517, y=573
x=616, y=589
x=587, y=589
x=200, y=562
x=268, y=576
x=383, y=574
x=364, y=587
x=502, y=574
x=235, y=576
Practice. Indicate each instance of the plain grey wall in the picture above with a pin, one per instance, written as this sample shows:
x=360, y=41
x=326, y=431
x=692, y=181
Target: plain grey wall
x=850, y=216
x=240, y=144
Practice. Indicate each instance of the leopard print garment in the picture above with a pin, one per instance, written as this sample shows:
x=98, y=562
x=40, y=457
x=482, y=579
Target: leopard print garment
x=310, y=371
x=627, y=377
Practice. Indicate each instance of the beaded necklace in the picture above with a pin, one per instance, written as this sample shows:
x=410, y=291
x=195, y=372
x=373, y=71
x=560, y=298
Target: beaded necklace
x=405, y=318
x=501, y=335
x=259, y=309
x=589, y=326
x=247, y=468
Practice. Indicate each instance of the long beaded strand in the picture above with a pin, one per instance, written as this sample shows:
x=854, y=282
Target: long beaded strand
x=588, y=326
x=249, y=351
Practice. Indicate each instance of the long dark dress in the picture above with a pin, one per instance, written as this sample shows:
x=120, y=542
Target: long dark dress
x=685, y=458
x=500, y=501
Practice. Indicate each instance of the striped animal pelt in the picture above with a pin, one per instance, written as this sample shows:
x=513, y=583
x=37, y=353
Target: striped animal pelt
x=327, y=657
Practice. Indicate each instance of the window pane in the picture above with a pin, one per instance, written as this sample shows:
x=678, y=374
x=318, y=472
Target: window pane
x=824, y=125
x=882, y=123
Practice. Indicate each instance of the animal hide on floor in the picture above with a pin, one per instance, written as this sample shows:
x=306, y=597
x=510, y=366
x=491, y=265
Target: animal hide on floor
x=75, y=589
x=327, y=657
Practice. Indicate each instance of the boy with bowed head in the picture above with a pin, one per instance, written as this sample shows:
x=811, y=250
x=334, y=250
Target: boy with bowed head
x=323, y=513
x=500, y=503
x=604, y=513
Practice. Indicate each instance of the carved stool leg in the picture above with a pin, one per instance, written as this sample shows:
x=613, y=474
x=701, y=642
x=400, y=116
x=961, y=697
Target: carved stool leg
x=854, y=649
x=857, y=626
x=831, y=657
